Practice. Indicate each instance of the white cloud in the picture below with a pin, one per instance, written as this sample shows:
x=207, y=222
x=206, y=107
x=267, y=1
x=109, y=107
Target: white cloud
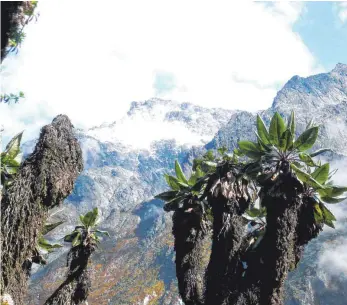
x=334, y=257
x=90, y=61
x=342, y=11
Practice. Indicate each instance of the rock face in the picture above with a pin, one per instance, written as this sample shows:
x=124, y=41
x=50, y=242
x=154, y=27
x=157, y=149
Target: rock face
x=124, y=168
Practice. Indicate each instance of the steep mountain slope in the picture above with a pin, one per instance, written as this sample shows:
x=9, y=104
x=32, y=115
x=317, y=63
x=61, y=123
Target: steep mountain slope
x=124, y=168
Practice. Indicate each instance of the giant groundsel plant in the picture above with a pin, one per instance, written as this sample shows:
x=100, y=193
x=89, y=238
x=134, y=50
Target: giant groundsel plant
x=277, y=150
x=274, y=185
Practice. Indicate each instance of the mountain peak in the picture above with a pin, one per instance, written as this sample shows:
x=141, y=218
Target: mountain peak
x=313, y=92
x=340, y=68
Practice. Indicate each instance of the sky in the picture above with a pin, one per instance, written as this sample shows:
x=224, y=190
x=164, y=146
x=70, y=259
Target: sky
x=91, y=61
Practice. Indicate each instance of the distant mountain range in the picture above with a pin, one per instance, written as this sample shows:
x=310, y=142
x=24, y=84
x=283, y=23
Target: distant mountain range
x=124, y=166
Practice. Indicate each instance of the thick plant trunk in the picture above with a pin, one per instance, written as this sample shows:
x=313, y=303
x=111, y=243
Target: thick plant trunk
x=269, y=264
x=9, y=10
x=75, y=289
x=43, y=181
x=191, y=244
x=240, y=275
x=228, y=201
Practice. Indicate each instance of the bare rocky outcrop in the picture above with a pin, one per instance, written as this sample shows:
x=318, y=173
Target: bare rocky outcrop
x=43, y=181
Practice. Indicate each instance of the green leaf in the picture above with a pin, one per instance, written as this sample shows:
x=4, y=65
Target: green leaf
x=277, y=128
x=10, y=165
x=77, y=240
x=318, y=214
x=70, y=237
x=332, y=200
x=46, y=245
x=321, y=174
x=319, y=151
x=82, y=219
x=291, y=123
x=327, y=214
x=193, y=178
x=253, y=212
x=197, y=187
x=238, y=152
x=286, y=141
x=306, y=178
x=90, y=219
x=333, y=191
x=262, y=131
x=179, y=173
x=103, y=232
x=307, y=139
x=95, y=237
x=262, y=145
x=209, y=155
x=167, y=196
x=13, y=147
x=250, y=149
x=329, y=223
x=172, y=182
x=222, y=150
x=307, y=159
x=49, y=227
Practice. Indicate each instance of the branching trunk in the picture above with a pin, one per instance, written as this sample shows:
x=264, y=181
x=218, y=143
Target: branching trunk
x=240, y=275
x=190, y=246
x=74, y=290
x=44, y=180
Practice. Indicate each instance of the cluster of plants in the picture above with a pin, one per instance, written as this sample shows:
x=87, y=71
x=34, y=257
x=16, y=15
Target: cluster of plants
x=276, y=151
x=255, y=171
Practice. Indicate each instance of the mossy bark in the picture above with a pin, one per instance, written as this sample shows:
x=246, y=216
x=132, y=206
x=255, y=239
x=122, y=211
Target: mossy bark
x=43, y=181
x=75, y=289
x=190, y=245
x=240, y=275
x=228, y=201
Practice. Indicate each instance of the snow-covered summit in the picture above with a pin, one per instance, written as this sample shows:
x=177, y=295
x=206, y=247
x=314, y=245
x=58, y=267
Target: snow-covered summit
x=156, y=119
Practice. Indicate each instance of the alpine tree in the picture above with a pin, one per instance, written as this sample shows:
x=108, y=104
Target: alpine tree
x=30, y=189
x=276, y=189
x=74, y=290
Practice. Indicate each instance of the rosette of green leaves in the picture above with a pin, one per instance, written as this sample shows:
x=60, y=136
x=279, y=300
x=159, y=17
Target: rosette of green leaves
x=277, y=147
x=321, y=189
x=10, y=160
x=210, y=160
x=182, y=188
x=86, y=232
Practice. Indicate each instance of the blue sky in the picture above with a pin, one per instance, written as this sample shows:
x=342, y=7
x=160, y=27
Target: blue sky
x=323, y=32
x=234, y=55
